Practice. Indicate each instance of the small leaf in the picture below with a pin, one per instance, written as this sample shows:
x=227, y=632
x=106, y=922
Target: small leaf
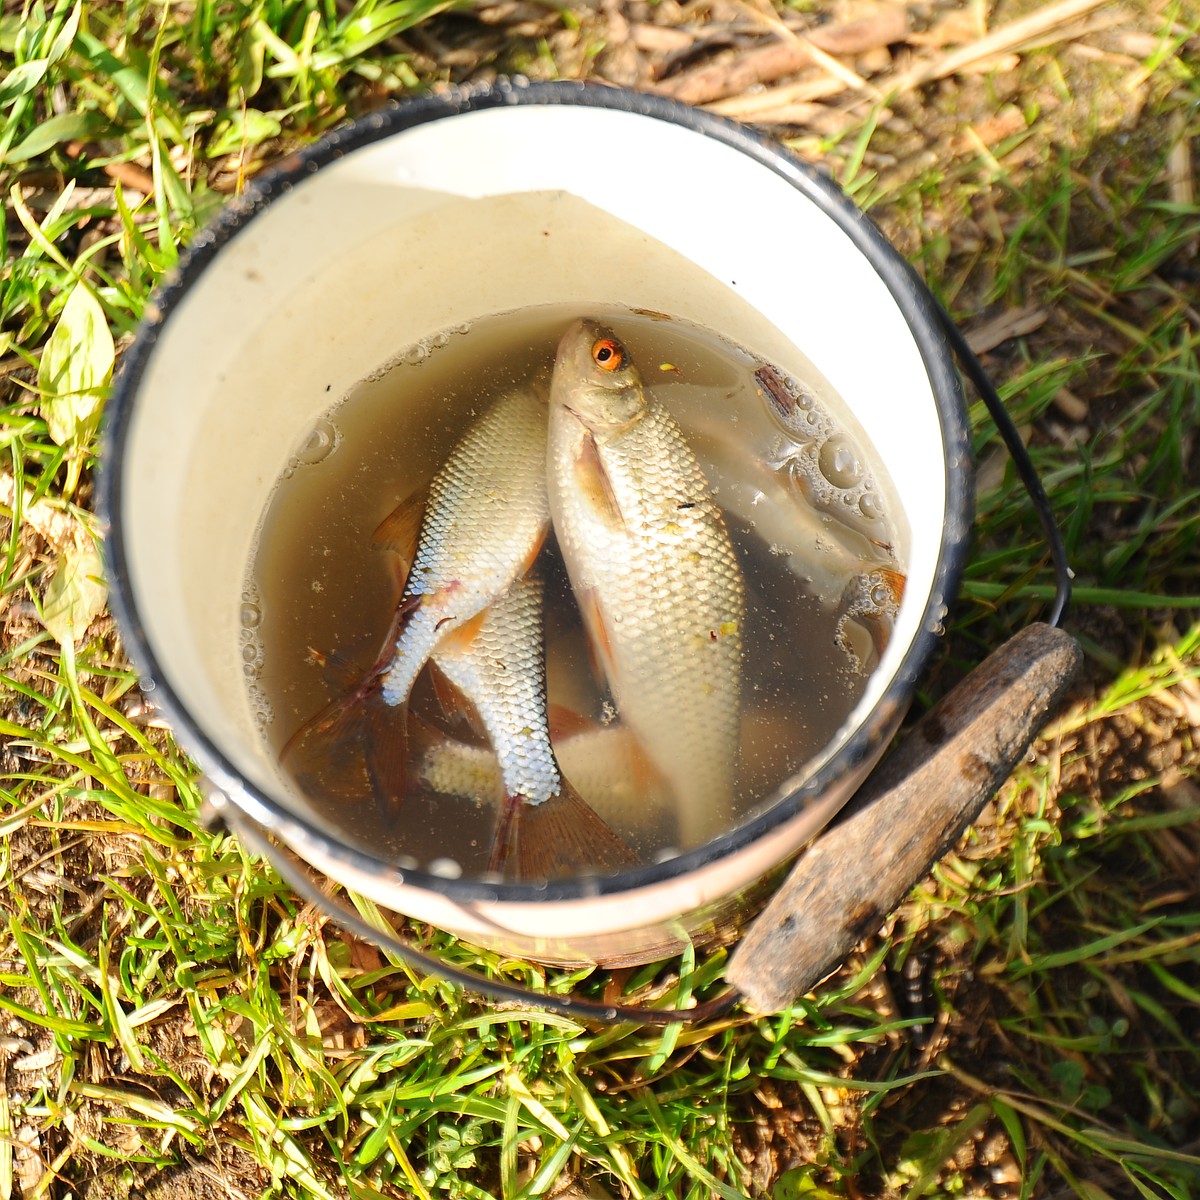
x=66, y=35
x=66, y=127
x=247, y=128
x=77, y=594
x=21, y=79
x=76, y=366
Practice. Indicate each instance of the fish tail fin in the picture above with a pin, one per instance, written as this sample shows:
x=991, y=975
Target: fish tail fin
x=560, y=836
x=386, y=752
x=354, y=748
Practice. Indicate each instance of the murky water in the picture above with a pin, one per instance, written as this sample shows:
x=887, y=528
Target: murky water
x=818, y=534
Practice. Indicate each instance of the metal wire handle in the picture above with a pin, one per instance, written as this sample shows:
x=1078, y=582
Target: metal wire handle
x=301, y=882
x=1011, y=437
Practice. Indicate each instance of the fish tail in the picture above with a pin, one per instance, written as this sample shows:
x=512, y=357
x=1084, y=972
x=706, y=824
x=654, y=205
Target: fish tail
x=386, y=752
x=560, y=836
x=354, y=748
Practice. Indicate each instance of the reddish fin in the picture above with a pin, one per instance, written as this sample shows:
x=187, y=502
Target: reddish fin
x=455, y=706
x=353, y=750
x=358, y=736
x=400, y=532
x=894, y=581
x=561, y=836
x=457, y=635
x=593, y=482
x=599, y=639
x=566, y=722
x=772, y=386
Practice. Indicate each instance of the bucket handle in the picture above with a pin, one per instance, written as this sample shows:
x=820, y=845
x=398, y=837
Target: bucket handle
x=298, y=878
x=972, y=368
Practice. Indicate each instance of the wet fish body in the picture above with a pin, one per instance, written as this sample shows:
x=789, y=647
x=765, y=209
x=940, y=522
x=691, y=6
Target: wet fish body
x=653, y=568
x=604, y=763
x=545, y=829
x=484, y=521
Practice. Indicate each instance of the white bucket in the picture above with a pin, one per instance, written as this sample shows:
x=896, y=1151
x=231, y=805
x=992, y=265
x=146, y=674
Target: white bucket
x=433, y=213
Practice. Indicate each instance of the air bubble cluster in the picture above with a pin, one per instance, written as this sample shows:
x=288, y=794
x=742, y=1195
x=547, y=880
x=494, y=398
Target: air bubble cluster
x=822, y=460
x=260, y=707
x=249, y=638
x=319, y=444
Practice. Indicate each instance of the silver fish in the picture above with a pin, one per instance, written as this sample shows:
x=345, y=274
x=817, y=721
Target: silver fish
x=545, y=829
x=484, y=521
x=654, y=571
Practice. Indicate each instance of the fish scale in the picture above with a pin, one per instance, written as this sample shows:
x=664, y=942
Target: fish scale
x=656, y=574
x=501, y=671
x=485, y=520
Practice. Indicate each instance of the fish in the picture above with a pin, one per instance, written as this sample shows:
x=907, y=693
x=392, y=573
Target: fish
x=545, y=829
x=456, y=545
x=653, y=569
x=604, y=763
x=484, y=521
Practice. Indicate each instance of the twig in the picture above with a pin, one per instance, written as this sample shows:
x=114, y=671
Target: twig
x=717, y=81
x=1016, y=323
x=803, y=92
x=1003, y=40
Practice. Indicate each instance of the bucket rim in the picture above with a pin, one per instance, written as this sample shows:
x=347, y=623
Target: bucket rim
x=908, y=290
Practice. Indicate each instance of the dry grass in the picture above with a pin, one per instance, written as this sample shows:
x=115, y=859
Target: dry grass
x=174, y=1023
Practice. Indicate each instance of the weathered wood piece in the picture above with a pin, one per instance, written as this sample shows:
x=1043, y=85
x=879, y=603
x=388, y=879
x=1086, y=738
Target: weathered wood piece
x=909, y=813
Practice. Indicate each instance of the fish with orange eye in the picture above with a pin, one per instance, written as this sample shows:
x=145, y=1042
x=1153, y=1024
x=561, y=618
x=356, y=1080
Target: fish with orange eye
x=653, y=569
x=471, y=608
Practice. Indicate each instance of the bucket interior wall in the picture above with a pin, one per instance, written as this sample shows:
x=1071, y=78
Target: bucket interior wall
x=442, y=224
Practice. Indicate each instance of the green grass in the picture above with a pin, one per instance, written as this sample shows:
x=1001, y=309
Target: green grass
x=172, y=1018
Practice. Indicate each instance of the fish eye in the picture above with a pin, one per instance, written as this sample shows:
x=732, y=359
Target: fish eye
x=607, y=354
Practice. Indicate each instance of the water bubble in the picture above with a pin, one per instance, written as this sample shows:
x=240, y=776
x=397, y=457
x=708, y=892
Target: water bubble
x=871, y=506
x=320, y=443
x=839, y=463
x=251, y=614
x=252, y=656
x=880, y=595
x=445, y=868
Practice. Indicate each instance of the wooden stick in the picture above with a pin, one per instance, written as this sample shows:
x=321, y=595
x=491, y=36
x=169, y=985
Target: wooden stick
x=909, y=813
x=1009, y=37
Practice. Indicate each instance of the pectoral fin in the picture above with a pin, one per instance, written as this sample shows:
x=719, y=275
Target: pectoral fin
x=592, y=480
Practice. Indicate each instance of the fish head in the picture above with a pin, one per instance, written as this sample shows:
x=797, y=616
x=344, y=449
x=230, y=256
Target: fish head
x=595, y=378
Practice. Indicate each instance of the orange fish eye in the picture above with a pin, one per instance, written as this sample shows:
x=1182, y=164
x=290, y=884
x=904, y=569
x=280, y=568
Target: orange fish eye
x=607, y=354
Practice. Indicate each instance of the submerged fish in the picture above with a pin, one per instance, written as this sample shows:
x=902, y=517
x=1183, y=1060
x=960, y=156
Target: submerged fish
x=605, y=763
x=545, y=829
x=458, y=545
x=484, y=521
x=653, y=568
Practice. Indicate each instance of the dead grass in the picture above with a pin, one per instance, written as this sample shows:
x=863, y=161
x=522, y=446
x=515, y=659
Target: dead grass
x=173, y=1023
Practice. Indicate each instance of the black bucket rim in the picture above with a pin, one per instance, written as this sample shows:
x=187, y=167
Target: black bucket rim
x=912, y=298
